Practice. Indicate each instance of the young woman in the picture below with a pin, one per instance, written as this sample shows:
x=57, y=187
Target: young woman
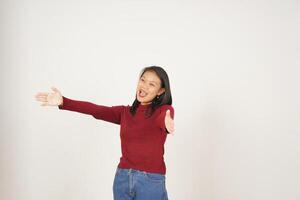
x=140, y=174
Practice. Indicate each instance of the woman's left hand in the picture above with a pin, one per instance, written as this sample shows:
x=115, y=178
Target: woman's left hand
x=169, y=122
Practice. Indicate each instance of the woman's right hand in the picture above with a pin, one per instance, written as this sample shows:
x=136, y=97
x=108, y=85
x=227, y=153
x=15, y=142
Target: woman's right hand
x=50, y=99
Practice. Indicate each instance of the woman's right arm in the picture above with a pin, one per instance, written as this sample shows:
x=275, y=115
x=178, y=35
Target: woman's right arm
x=107, y=113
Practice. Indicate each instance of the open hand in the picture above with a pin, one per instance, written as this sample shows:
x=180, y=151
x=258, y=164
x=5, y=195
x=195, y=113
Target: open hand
x=169, y=122
x=50, y=99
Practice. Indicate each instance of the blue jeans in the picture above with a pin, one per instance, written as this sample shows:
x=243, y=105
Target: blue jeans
x=131, y=184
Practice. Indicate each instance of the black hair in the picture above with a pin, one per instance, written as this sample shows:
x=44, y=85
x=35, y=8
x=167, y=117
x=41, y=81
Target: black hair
x=164, y=99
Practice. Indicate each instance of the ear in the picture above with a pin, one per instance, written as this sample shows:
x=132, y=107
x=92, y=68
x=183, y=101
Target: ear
x=161, y=90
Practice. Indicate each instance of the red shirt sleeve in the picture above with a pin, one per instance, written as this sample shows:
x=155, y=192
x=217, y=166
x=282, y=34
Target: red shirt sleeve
x=107, y=113
x=161, y=117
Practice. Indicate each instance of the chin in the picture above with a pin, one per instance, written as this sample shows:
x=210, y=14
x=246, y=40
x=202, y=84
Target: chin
x=145, y=102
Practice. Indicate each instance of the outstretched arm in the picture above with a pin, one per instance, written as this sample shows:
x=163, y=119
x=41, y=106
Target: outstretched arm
x=107, y=113
x=110, y=114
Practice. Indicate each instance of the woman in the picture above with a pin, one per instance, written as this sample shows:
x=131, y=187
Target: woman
x=144, y=126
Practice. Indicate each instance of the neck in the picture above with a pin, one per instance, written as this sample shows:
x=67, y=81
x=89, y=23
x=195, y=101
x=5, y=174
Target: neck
x=144, y=104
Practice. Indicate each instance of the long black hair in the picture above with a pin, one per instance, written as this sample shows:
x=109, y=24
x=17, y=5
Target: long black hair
x=164, y=99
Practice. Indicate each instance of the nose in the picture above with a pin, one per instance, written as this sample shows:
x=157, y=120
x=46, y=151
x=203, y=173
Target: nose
x=144, y=87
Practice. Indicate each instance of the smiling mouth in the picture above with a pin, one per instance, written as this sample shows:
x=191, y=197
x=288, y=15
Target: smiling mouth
x=142, y=93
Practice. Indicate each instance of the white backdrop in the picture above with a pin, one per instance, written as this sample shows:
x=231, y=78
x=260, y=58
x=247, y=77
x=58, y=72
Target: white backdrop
x=233, y=69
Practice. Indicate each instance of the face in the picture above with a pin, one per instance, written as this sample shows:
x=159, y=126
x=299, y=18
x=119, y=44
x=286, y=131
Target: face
x=149, y=86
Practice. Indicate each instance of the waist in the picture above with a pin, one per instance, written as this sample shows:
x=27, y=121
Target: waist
x=138, y=165
x=136, y=171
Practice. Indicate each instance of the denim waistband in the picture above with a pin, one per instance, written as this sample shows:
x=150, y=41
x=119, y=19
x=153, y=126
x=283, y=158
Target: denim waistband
x=130, y=170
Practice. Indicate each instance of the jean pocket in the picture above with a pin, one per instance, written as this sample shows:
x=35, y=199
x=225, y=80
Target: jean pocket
x=155, y=177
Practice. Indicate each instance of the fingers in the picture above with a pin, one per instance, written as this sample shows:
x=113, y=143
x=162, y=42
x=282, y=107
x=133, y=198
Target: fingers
x=41, y=97
x=55, y=89
x=169, y=122
x=171, y=129
x=41, y=94
x=168, y=112
x=170, y=126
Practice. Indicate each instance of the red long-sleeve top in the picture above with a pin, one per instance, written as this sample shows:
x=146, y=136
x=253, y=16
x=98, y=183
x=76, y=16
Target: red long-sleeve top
x=142, y=139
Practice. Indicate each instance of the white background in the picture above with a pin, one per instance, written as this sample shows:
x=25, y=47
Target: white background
x=234, y=73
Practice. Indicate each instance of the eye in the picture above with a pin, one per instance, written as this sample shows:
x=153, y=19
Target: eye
x=152, y=85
